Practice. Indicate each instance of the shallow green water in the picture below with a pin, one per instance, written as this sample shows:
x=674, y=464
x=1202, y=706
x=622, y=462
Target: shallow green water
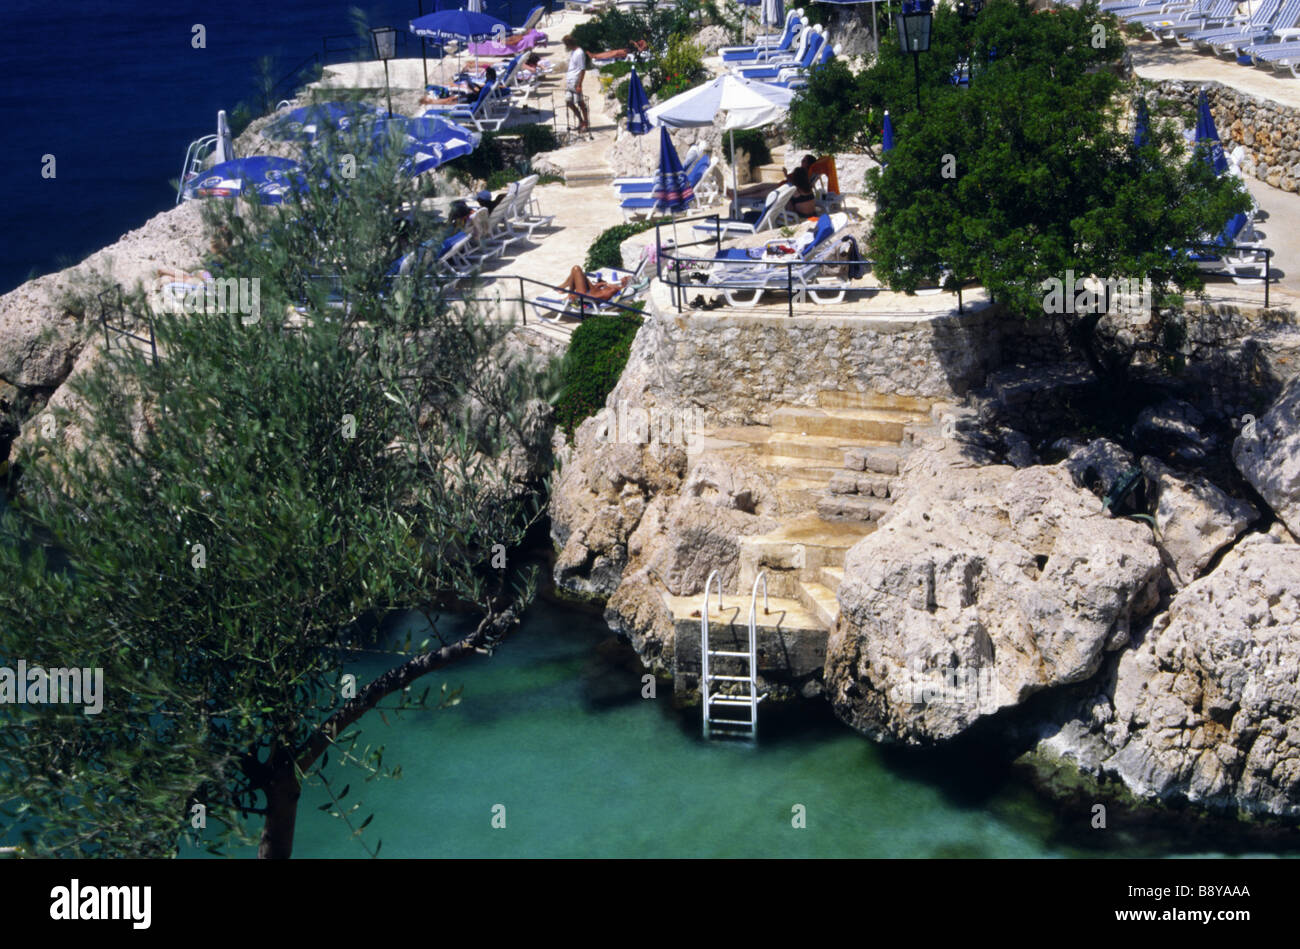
x=553, y=727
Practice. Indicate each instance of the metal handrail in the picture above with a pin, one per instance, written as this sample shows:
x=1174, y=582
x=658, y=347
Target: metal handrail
x=122, y=330
x=1222, y=249
x=704, y=645
x=624, y=309
x=753, y=646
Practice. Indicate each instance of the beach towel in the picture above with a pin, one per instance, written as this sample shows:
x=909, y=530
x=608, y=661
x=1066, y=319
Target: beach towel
x=492, y=48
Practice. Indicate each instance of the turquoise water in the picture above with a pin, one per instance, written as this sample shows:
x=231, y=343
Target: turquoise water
x=553, y=727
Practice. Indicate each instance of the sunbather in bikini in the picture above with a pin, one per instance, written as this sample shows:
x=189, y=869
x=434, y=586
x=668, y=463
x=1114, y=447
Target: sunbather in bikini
x=459, y=96
x=638, y=46
x=579, y=283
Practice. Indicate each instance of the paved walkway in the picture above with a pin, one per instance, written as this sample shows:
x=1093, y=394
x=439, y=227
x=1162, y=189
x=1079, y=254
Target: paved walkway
x=1152, y=59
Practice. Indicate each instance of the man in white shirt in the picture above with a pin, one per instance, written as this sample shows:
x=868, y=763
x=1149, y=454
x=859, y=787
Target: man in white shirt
x=573, y=82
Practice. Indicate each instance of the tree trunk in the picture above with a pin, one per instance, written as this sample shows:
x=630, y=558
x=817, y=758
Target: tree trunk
x=282, y=793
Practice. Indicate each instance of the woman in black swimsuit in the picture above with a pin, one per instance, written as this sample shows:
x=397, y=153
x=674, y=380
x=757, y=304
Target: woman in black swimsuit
x=804, y=203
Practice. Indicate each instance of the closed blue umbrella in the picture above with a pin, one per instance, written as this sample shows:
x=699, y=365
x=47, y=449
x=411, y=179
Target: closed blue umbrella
x=1141, y=133
x=887, y=135
x=1208, y=135
x=638, y=123
x=673, y=188
x=427, y=142
x=262, y=178
x=773, y=13
x=308, y=123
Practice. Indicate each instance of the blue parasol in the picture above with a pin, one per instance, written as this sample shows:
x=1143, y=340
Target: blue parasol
x=308, y=123
x=887, y=135
x=458, y=25
x=1141, y=124
x=427, y=142
x=673, y=188
x=261, y=178
x=638, y=123
x=1208, y=135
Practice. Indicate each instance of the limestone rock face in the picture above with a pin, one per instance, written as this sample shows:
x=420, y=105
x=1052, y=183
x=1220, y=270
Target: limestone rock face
x=599, y=500
x=1205, y=707
x=1268, y=454
x=1194, y=518
x=983, y=587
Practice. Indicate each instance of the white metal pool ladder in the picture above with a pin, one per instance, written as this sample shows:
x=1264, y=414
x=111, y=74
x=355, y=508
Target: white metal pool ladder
x=747, y=703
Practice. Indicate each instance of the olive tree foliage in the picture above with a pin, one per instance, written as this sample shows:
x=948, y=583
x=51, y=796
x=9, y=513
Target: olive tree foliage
x=236, y=520
x=1028, y=174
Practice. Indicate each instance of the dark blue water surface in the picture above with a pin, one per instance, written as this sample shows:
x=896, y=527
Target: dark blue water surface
x=115, y=92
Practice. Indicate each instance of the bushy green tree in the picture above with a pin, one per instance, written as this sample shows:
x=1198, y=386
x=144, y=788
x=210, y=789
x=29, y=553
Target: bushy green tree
x=1027, y=174
x=238, y=518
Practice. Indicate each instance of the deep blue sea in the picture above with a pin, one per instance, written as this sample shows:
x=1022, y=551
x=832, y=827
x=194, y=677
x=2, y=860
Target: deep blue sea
x=115, y=91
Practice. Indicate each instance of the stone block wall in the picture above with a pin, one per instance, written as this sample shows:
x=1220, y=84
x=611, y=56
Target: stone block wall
x=1269, y=130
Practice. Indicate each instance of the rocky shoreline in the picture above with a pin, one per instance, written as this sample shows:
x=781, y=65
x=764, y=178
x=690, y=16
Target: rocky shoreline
x=1149, y=649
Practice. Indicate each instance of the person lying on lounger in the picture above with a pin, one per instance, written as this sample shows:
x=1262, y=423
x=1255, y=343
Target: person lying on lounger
x=579, y=283
x=638, y=46
x=458, y=96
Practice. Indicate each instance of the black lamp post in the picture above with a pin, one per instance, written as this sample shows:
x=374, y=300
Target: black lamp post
x=913, y=26
x=385, y=39
x=424, y=52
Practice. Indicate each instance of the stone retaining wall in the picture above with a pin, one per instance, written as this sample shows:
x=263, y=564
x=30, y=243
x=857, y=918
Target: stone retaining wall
x=1269, y=130
x=739, y=367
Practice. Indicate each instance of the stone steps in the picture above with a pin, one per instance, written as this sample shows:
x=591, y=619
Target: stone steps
x=839, y=399
x=588, y=177
x=856, y=425
x=852, y=507
x=820, y=601
x=825, y=448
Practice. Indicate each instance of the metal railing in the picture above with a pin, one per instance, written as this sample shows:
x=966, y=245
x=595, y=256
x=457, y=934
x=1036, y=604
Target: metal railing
x=674, y=275
x=112, y=299
x=1225, y=250
x=586, y=304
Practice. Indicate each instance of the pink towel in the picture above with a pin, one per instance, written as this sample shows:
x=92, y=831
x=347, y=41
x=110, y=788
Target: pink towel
x=491, y=48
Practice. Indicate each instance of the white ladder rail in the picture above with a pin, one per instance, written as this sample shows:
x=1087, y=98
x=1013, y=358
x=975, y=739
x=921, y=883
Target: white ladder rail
x=750, y=656
x=753, y=649
x=704, y=643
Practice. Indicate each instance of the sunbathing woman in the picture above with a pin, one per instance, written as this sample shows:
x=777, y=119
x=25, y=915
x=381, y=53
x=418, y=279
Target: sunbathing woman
x=804, y=203
x=638, y=46
x=458, y=96
x=579, y=283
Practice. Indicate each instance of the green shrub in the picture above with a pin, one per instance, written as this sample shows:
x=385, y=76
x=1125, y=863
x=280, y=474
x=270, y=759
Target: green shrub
x=611, y=29
x=753, y=142
x=604, y=251
x=616, y=70
x=679, y=69
x=537, y=138
x=490, y=162
x=598, y=351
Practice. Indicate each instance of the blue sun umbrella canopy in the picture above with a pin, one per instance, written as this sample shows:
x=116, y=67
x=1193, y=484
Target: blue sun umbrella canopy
x=1208, y=136
x=310, y=122
x=1141, y=125
x=261, y=178
x=638, y=123
x=427, y=142
x=673, y=188
x=887, y=134
x=772, y=13
x=458, y=25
